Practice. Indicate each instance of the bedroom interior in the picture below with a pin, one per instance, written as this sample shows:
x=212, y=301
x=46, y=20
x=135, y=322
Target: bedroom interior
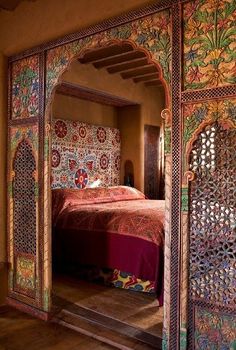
x=190, y=45
x=102, y=113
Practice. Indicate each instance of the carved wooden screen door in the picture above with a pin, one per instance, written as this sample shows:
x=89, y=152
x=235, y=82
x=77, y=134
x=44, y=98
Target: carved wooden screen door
x=193, y=45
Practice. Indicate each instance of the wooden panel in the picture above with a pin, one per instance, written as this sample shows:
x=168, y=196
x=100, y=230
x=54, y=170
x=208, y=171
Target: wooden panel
x=151, y=158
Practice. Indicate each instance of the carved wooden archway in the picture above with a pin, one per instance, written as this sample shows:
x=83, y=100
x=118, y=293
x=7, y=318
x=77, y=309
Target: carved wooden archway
x=200, y=84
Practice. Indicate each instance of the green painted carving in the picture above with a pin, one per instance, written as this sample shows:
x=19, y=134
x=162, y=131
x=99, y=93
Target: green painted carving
x=184, y=199
x=164, y=341
x=183, y=339
x=10, y=189
x=46, y=299
x=167, y=141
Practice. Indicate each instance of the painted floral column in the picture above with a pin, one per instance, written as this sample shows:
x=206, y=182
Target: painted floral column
x=24, y=181
x=209, y=121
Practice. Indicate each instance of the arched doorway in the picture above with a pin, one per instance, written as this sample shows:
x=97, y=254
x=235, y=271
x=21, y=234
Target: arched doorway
x=46, y=71
x=126, y=80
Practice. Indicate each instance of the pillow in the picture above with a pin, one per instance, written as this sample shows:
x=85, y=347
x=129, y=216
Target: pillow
x=119, y=193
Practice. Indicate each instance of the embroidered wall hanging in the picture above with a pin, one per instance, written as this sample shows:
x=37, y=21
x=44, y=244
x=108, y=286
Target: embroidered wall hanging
x=84, y=155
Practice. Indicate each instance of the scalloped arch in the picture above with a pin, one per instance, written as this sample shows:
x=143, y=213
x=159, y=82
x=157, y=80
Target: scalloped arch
x=155, y=43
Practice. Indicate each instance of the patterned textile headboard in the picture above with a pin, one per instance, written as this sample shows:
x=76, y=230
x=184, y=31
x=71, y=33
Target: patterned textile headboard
x=84, y=155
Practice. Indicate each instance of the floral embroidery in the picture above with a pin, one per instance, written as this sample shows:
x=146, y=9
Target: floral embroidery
x=82, y=132
x=71, y=151
x=60, y=129
x=55, y=158
x=101, y=135
x=81, y=178
x=104, y=161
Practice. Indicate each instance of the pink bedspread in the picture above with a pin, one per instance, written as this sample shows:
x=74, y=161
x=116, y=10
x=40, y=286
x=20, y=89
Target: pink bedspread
x=111, y=227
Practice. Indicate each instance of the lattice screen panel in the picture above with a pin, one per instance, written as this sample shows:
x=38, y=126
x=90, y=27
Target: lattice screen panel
x=24, y=166
x=212, y=217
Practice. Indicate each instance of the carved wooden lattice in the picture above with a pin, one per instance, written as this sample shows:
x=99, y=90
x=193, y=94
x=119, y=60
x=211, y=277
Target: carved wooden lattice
x=212, y=217
x=24, y=166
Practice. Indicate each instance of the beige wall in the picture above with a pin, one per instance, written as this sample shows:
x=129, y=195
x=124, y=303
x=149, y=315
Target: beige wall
x=34, y=23
x=71, y=108
x=31, y=24
x=130, y=125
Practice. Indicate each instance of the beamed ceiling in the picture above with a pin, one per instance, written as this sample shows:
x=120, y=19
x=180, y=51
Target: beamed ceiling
x=124, y=60
x=131, y=64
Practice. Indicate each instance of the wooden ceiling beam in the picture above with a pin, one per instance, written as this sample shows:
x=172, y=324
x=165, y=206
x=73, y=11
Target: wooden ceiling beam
x=154, y=82
x=99, y=54
x=85, y=93
x=120, y=58
x=145, y=77
x=121, y=67
x=133, y=73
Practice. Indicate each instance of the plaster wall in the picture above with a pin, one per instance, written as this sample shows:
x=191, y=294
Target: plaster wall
x=71, y=108
x=34, y=23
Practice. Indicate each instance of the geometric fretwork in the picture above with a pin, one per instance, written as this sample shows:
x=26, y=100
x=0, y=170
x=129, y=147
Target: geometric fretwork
x=212, y=217
x=24, y=210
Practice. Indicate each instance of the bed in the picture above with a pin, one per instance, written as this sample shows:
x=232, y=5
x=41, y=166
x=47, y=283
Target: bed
x=114, y=227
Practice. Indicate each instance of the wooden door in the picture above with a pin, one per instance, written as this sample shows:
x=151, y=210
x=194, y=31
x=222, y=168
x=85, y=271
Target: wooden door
x=151, y=161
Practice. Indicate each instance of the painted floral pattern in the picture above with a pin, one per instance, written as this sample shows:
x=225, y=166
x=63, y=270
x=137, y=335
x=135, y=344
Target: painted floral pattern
x=209, y=43
x=25, y=88
x=152, y=33
x=30, y=133
x=214, y=331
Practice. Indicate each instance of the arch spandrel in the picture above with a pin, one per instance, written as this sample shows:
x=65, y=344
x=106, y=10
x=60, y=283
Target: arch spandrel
x=156, y=43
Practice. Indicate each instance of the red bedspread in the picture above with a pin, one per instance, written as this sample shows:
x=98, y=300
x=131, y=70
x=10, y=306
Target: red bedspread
x=112, y=227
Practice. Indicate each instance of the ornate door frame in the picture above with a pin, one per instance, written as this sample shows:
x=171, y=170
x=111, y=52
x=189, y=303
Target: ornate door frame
x=33, y=76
